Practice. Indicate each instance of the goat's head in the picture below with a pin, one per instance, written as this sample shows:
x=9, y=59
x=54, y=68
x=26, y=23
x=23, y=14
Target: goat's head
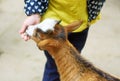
x=52, y=37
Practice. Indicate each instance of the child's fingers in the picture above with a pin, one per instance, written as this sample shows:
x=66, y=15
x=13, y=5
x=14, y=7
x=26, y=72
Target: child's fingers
x=25, y=36
x=23, y=29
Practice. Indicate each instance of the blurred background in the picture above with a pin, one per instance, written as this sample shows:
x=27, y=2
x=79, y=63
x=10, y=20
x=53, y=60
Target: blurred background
x=22, y=61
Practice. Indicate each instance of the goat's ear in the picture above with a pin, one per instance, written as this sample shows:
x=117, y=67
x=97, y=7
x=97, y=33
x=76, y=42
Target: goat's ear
x=73, y=26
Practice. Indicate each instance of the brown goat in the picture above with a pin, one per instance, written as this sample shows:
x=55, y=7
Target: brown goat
x=71, y=65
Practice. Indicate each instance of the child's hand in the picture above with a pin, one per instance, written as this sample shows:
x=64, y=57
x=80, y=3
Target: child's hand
x=30, y=20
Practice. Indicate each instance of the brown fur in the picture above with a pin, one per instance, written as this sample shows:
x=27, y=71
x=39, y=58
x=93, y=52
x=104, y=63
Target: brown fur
x=71, y=65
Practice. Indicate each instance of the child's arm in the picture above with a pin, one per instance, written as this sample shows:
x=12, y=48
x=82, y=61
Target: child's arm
x=94, y=8
x=35, y=6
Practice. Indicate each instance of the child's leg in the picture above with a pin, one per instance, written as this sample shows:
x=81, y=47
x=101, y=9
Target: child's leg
x=50, y=72
x=78, y=40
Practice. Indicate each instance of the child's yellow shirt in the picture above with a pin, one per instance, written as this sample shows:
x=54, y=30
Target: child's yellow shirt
x=68, y=11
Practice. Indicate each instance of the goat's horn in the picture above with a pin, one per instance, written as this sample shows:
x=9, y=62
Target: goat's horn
x=59, y=21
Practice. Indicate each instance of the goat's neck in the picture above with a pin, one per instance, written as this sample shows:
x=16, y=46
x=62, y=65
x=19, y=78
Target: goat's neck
x=68, y=64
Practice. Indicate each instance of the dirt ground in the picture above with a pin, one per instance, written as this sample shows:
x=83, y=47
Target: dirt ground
x=22, y=61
